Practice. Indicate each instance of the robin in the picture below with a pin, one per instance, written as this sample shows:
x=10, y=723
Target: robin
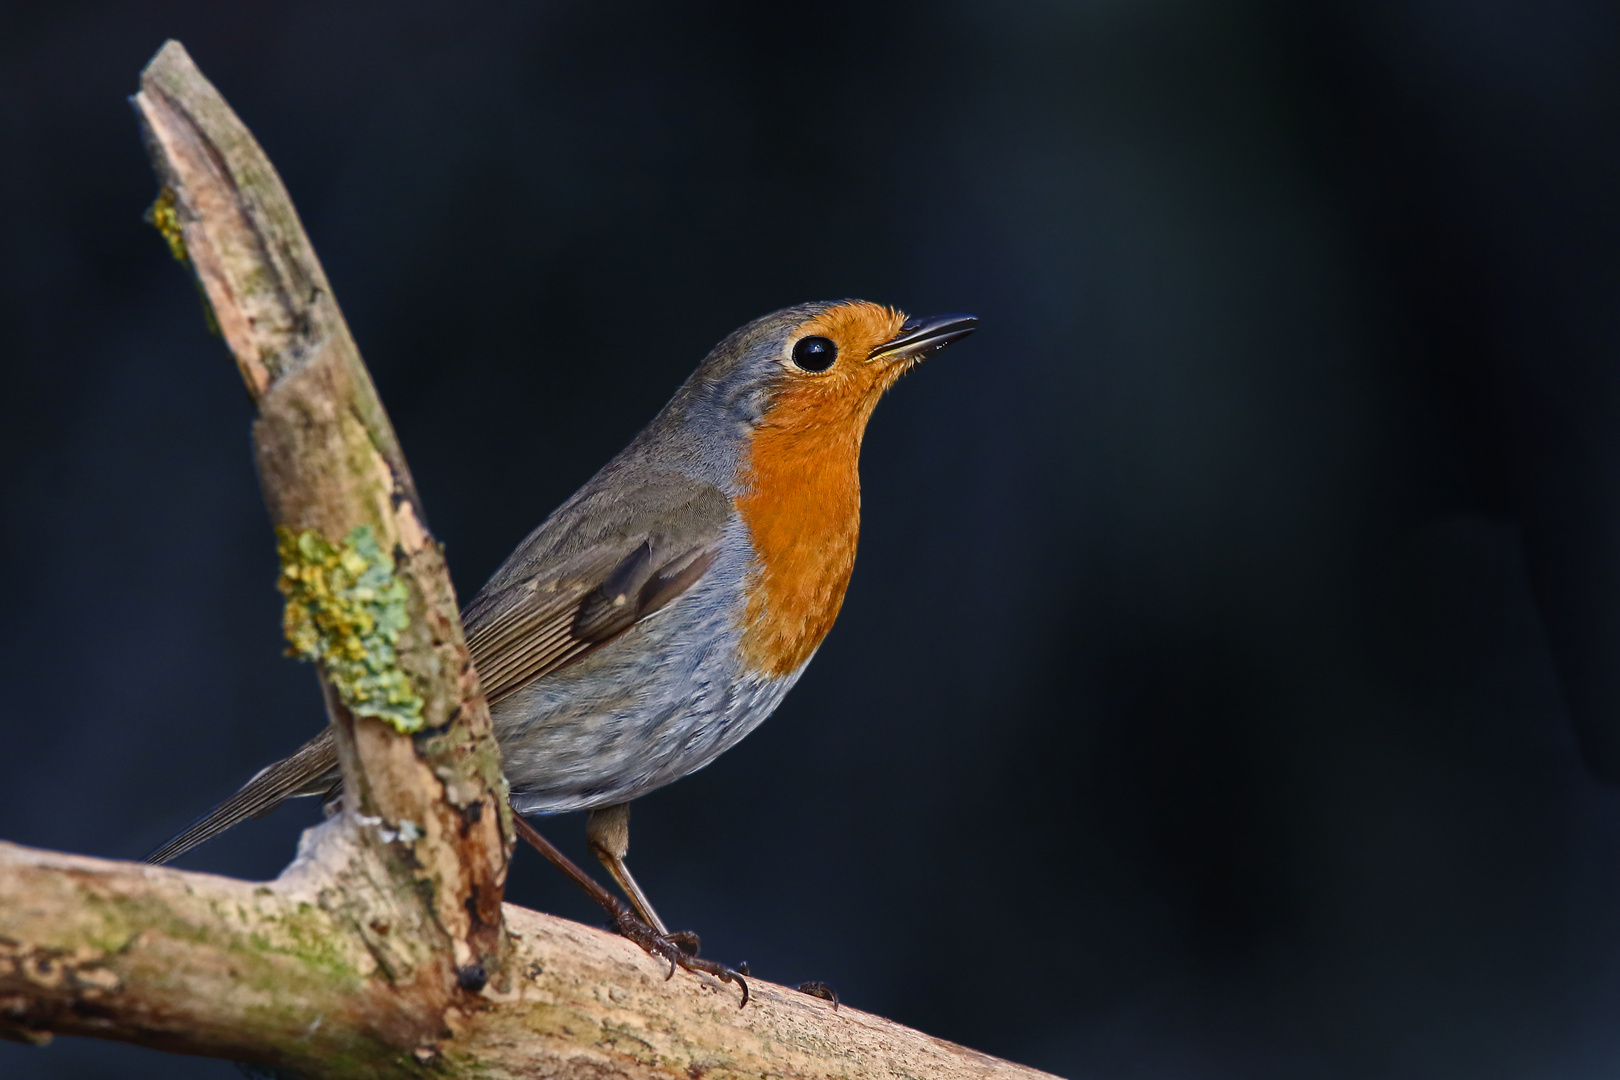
x=662, y=612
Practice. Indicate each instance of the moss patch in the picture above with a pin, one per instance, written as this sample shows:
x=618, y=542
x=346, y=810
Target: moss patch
x=346, y=609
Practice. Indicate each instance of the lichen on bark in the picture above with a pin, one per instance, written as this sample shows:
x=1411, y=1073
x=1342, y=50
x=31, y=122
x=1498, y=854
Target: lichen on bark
x=346, y=608
x=163, y=217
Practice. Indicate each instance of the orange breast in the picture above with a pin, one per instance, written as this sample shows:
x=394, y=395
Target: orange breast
x=802, y=492
x=803, y=511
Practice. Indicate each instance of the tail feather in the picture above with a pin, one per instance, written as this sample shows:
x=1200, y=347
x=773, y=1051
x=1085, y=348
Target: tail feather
x=310, y=770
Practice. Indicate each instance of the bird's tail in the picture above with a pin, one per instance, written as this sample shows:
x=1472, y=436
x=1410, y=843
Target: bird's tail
x=312, y=769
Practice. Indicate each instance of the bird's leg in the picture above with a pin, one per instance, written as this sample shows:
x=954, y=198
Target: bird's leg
x=624, y=920
x=608, y=831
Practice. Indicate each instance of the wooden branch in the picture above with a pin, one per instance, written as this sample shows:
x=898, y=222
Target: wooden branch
x=330, y=465
x=384, y=949
x=205, y=964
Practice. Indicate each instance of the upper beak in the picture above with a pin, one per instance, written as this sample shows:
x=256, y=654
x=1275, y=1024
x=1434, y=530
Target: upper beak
x=921, y=338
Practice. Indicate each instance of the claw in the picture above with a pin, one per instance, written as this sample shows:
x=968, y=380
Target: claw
x=726, y=974
x=816, y=988
x=669, y=947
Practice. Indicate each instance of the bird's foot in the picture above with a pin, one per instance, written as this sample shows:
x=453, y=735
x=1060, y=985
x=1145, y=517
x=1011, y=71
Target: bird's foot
x=679, y=950
x=816, y=988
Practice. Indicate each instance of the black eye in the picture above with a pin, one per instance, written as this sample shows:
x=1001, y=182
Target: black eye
x=815, y=353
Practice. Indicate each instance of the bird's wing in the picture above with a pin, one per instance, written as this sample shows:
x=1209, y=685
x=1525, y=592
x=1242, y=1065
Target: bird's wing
x=521, y=633
x=583, y=578
x=621, y=549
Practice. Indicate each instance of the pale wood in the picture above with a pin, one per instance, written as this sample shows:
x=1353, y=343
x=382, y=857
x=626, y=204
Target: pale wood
x=381, y=951
x=207, y=964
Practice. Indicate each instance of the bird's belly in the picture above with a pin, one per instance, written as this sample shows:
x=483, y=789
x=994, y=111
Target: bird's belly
x=661, y=701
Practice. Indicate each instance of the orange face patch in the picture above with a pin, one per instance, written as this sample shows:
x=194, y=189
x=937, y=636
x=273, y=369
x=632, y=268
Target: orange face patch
x=802, y=489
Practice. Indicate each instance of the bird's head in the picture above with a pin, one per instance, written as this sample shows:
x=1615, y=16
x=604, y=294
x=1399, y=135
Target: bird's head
x=835, y=363
x=818, y=369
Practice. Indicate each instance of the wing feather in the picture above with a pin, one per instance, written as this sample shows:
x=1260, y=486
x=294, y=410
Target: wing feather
x=312, y=769
x=530, y=629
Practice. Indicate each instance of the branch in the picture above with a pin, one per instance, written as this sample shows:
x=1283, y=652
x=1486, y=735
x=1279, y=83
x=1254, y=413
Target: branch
x=384, y=950
x=333, y=476
x=204, y=964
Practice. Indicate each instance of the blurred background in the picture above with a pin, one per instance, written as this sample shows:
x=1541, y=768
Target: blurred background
x=1230, y=681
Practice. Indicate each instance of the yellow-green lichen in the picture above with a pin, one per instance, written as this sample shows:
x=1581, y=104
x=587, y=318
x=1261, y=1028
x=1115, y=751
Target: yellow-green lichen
x=346, y=609
x=162, y=216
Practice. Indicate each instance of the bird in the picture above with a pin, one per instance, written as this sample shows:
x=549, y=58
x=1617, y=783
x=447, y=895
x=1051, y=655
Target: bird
x=665, y=609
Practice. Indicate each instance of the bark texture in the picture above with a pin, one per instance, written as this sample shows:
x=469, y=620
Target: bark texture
x=329, y=463
x=385, y=949
x=275, y=972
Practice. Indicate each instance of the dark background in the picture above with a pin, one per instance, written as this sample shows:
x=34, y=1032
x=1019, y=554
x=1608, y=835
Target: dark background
x=1231, y=662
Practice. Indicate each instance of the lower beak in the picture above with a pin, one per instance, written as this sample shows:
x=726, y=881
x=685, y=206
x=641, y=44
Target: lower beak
x=921, y=338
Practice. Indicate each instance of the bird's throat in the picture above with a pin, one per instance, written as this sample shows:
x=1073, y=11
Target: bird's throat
x=801, y=502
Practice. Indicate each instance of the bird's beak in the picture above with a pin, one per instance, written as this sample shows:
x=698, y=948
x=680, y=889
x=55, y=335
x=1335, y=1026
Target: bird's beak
x=921, y=338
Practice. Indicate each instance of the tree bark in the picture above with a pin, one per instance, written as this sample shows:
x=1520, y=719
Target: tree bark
x=431, y=808
x=384, y=949
x=275, y=972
